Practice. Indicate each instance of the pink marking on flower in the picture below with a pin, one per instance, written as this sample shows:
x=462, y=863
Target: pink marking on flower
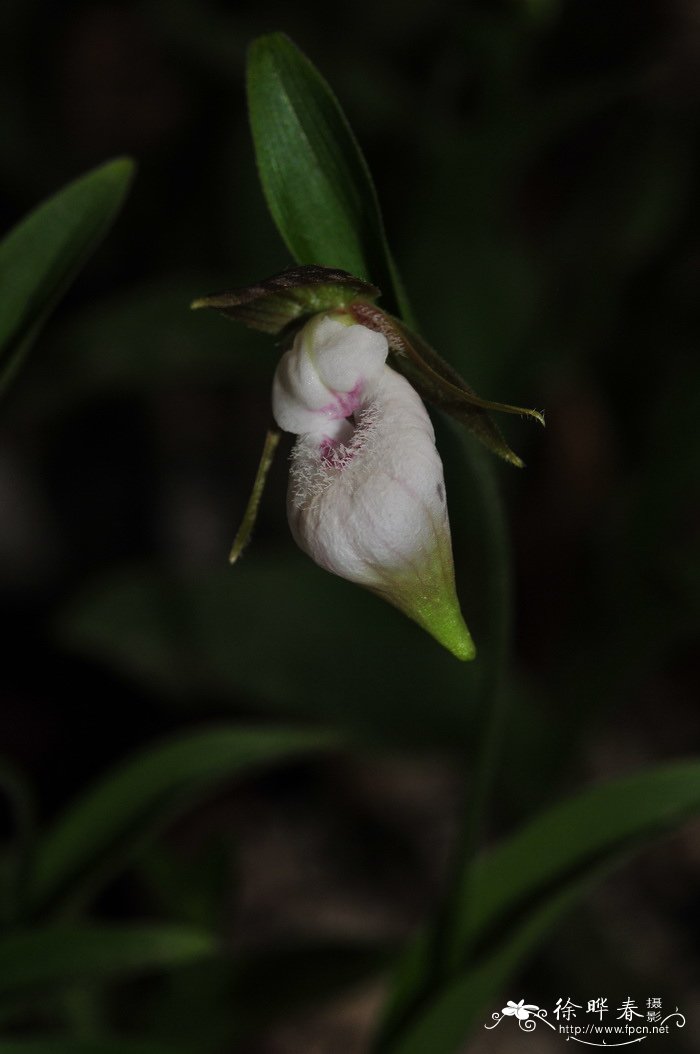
x=345, y=403
x=326, y=449
x=334, y=453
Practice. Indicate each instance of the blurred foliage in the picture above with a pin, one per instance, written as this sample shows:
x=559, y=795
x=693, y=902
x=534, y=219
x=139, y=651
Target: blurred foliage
x=536, y=163
x=40, y=257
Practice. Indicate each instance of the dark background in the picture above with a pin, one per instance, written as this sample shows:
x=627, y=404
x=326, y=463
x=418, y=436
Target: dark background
x=537, y=167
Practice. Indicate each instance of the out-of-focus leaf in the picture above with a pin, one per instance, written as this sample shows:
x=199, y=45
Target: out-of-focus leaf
x=42, y=254
x=106, y=823
x=316, y=181
x=190, y=636
x=515, y=891
x=660, y=498
x=16, y=862
x=601, y=820
x=84, y=1046
x=194, y=891
x=36, y=958
x=441, y=1025
x=137, y=339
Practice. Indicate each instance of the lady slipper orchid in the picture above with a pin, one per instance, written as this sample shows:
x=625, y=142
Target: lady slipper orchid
x=366, y=496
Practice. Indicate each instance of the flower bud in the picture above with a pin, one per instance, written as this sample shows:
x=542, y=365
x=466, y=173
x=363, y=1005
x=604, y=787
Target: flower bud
x=323, y=378
x=366, y=495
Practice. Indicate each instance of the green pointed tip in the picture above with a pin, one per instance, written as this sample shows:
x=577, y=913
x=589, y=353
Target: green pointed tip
x=458, y=640
x=123, y=167
x=443, y=620
x=430, y=599
x=513, y=459
x=270, y=42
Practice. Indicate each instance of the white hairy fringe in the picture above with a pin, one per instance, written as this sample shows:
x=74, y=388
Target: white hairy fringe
x=312, y=472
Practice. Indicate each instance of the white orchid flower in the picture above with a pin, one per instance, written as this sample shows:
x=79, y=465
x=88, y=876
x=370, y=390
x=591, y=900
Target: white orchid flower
x=366, y=495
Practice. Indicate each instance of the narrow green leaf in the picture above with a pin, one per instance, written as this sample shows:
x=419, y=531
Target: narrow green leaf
x=585, y=828
x=511, y=895
x=40, y=257
x=109, y=820
x=84, y=1046
x=44, y=957
x=315, y=179
x=441, y=1025
x=251, y=513
x=196, y=635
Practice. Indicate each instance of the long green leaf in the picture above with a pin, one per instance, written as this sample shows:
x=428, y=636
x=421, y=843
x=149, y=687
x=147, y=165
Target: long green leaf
x=522, y=886
x=441, y=1025
x=40, y=257
x=196, y=634
x=38, y=958
x=584, y=829
x=84, y=1046
x=316, y=181
x=112, y=817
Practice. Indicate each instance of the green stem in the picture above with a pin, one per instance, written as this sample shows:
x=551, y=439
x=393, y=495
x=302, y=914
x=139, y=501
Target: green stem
x=251, y=513
x=433, y=962
x=455, y=922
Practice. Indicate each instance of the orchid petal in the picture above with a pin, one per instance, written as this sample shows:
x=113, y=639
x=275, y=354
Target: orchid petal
x=366, y=497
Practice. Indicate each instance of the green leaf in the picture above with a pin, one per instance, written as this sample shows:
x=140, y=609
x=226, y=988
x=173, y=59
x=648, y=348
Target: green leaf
x=192, y=636
x=321, y=196
x=193, y=891
x=149, y=788
x=461, y=1005
x=585, y=828
x=315, y=179
x=84, y=1046
x=40, y=257
x=515, y=892
x=60, y=955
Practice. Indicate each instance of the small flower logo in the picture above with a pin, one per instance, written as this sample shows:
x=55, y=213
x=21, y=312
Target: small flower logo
x=521, y=1010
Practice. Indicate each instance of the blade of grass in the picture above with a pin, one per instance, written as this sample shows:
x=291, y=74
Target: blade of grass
x=40, y=257
x=34, y=959
x=515, y=892
x=98, y=834
x=59, y=1045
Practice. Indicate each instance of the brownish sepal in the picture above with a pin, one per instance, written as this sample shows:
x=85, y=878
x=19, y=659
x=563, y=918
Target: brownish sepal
x=289, y=297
